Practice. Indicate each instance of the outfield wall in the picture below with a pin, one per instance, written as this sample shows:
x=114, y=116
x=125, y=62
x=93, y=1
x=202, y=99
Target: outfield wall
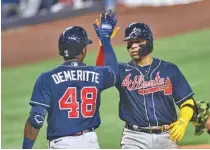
x=32, y=43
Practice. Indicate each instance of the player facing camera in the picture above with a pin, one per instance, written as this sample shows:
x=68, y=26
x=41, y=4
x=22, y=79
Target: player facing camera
x=139, y=40
x=148, y=88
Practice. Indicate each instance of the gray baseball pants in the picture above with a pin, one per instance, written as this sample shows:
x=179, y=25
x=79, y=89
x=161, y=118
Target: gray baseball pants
x=140, y=140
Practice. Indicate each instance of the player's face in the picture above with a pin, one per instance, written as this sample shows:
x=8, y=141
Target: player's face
x=133, y=47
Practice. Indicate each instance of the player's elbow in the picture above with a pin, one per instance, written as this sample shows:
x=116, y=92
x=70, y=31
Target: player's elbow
x=36, y=120
x=190, y=103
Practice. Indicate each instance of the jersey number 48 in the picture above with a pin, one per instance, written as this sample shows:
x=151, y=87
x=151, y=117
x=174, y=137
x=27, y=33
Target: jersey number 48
x=69, y=101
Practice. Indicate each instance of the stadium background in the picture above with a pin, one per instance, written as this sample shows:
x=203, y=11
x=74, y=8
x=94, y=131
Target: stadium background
x=182, y=35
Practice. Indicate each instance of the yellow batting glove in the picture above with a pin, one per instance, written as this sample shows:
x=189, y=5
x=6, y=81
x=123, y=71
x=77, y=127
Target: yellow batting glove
x=178, y=130
x=116, y=29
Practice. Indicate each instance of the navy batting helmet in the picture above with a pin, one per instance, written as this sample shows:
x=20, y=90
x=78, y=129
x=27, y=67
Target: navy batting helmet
x=72, y=41
x=136, y=31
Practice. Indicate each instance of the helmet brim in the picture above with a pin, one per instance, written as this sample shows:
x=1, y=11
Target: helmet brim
x=87, y=42
x=90, y=41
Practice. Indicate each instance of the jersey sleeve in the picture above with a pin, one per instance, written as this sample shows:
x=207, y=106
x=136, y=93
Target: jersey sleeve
x=40, y=95
x=181, y=88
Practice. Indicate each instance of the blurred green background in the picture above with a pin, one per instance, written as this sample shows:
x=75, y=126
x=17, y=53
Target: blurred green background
x=191, y=52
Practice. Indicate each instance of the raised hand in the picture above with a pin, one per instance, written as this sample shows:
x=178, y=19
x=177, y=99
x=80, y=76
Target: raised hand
x=116, y=29
x=107, y=24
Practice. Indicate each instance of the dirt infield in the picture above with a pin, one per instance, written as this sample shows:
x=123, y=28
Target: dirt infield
x=201, y=146
x=39, y=42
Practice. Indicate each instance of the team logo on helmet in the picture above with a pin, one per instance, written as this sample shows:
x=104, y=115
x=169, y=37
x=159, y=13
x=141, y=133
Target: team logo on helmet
x=135, y=31
x=66, y=30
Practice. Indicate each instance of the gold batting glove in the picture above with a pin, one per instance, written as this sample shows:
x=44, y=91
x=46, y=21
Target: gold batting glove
x=116, y=29
x=178, y=128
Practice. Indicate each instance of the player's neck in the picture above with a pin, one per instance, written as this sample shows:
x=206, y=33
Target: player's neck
x=145, y=61
x=75, y=59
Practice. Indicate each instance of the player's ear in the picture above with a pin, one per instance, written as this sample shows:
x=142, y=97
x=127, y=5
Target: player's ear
x=83, y=53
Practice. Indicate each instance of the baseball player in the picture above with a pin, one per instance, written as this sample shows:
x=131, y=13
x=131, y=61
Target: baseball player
x=202, y=121
x=208, y=124
x=148, y=88
x=70, y=93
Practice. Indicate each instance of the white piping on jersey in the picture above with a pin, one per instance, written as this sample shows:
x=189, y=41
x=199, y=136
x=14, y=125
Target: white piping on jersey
x=145, y=106
x=184, y=97
x=153, y=93
x=40, y=104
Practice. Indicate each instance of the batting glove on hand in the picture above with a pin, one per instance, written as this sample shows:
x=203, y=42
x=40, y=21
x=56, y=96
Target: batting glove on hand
x=178, y=129
x=107, y=25
x=116, y=29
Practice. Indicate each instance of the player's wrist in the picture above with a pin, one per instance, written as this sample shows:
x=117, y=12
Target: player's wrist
x=27, y=143
x=105, y=39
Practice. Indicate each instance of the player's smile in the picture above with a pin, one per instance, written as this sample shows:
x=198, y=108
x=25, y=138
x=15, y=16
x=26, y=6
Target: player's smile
x=148, y=89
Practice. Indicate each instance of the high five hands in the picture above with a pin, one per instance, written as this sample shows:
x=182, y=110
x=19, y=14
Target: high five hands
x=106, y=27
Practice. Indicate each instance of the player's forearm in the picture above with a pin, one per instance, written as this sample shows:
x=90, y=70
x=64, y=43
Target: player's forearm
x=187, y=110
x=110, y=58
x=30, y=132
x=30, y=135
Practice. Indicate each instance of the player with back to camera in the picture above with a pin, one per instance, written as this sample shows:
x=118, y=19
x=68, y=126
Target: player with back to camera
x=148, y=88
x=70, y=93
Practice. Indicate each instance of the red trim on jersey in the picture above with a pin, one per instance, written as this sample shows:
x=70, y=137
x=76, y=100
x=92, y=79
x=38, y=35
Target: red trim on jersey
x=100, y=57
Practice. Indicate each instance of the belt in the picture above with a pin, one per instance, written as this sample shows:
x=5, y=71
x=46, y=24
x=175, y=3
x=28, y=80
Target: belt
x=75, y=134
x=157, y=130
x=82, y=132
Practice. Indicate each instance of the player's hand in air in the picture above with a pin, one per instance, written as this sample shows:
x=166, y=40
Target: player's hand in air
x=106, y=26
x=116, y=29
x=177, y=129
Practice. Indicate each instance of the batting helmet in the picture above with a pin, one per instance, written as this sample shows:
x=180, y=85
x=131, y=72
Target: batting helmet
x=136, y=31
x=72, y=41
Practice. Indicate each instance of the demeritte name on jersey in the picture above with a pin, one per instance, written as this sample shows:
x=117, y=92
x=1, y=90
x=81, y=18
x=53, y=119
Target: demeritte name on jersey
x=75, y=75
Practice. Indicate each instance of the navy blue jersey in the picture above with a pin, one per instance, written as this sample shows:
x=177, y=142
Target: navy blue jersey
x=148, y=94
x=71, y=95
